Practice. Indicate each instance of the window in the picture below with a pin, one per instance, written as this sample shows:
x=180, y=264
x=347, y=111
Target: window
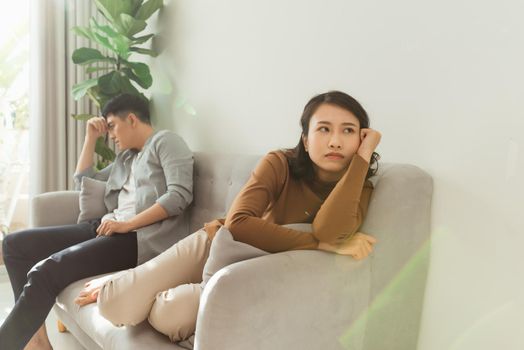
x=14, y=116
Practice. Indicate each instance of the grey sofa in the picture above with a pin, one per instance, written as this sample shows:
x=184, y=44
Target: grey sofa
x=291, y=300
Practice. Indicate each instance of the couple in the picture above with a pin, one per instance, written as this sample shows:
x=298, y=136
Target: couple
x=323, y=181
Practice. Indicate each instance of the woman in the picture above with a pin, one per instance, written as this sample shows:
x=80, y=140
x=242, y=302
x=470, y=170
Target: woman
x=322, y=181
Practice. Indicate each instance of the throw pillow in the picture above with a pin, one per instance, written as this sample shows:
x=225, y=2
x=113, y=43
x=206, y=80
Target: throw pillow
x=91, y=199
x=225, y=251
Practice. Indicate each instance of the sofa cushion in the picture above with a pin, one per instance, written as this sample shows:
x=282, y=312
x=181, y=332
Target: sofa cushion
x=91, y=199
x=226, y=251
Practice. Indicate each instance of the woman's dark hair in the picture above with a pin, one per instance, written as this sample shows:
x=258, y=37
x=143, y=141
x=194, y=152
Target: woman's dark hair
x=123, y=104
x=300, y=165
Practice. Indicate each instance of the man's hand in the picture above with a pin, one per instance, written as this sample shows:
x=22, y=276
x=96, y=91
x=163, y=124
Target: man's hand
x=110, y=227
x=96, y=127
x=359, y=246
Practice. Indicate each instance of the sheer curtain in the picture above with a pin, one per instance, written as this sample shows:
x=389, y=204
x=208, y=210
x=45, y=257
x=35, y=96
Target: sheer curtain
x=56, y=138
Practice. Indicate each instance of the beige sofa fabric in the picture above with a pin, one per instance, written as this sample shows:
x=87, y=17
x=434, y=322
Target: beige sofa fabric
x=291, y=300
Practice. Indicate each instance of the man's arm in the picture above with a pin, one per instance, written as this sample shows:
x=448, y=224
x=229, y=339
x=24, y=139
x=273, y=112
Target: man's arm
x=176, y=161
x=149, y=216
x=96, y=127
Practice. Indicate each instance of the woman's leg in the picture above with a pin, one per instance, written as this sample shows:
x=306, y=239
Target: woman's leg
x=175, y=311
x=50, y=276
x=127, y=298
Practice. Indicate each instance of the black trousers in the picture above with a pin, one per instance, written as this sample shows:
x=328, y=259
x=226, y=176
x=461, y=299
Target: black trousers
x=41, y=262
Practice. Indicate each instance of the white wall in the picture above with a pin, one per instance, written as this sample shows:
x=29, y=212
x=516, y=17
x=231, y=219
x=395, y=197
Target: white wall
x=443, y=81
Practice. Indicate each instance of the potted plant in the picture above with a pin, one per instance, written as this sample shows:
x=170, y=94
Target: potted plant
x=113, y=72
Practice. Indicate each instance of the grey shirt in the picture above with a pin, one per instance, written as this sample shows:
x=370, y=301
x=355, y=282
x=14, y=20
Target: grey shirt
x=163, y=175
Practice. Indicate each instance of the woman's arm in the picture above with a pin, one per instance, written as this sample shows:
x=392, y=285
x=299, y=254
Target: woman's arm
x=344, y=209
x=342, y=213
x=244, y=217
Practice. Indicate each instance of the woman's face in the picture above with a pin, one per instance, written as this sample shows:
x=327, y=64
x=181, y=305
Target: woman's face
x=332, y=140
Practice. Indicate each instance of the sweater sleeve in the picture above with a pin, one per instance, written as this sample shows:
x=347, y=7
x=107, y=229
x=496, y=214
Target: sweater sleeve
x=176, y=160
x=244, y=219
x=102, y=175
x=343, y=211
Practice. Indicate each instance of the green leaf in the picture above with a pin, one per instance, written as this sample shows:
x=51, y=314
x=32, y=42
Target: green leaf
x=83, y=31
x=86, y=55
x=129, y=26
x=142, y=39
x=107, y=14
x=144, y=51
x=148, y=9
x=97, y=96
x=104, y=42
x=90, y=70
x=109, y=38
x=104, y=151
x=82, y=117
x=115, y=83
x=102, y=29
x=111, y=9
x=136, y=6
x=79, y=90
x=140, y=73
x=140, y=81
x=127, y=87
x=101, y=164
x=110, y=83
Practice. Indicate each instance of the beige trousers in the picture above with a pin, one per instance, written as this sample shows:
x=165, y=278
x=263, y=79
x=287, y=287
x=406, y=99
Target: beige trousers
x=165, y=290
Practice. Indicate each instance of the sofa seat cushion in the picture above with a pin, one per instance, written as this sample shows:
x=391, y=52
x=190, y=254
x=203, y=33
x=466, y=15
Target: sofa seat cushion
x=101, y=334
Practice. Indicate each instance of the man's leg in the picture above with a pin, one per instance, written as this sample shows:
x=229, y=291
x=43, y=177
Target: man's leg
x=23, y=249
x=51, y=275
x=40, y=340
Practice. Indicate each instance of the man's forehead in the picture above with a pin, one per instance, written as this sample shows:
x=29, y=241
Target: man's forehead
x=111, y=118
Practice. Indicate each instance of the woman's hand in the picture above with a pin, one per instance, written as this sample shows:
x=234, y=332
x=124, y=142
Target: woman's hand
x=369, y=140
x=89, y=294
x=109, y=227
x=359, y=246
x=96, y=127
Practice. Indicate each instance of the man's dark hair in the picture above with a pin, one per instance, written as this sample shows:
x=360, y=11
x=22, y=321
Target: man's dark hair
x=124, y=104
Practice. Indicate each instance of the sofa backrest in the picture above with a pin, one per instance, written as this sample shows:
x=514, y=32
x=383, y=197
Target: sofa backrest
x=217, y=179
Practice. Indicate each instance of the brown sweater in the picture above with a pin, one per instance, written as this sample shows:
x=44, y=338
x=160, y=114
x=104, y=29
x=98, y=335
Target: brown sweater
x=272, y=198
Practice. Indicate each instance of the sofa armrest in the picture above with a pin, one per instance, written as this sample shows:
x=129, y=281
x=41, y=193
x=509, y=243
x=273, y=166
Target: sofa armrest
x=317, y=300
x=289, y=300
x=55, y=208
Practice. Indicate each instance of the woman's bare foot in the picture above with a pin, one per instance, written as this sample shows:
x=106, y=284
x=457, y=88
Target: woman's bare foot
x=89, y=294
x=39, y=341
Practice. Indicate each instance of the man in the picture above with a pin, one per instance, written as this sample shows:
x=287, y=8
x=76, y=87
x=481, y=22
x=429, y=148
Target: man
x=148, y=186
